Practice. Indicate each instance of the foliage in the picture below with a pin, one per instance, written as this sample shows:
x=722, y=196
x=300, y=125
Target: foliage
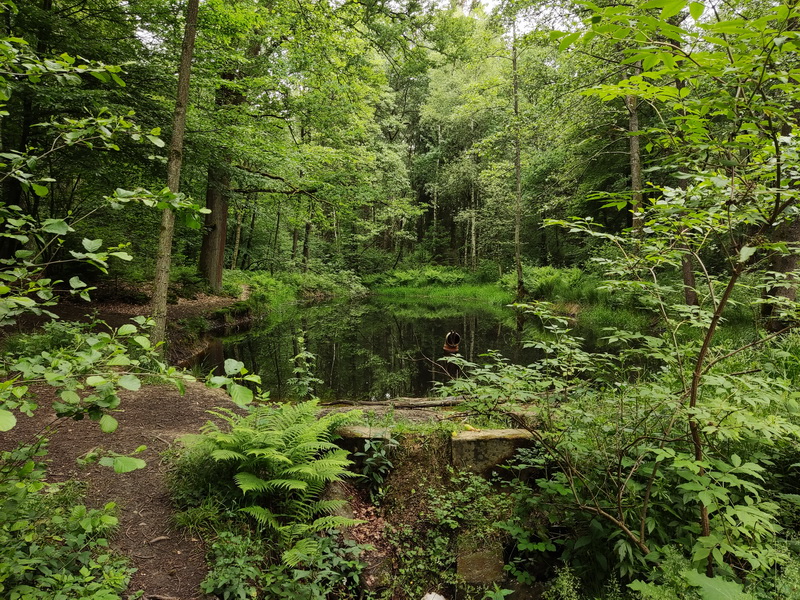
x=52, y=547
x=376, y=464
x=234, y=570
x=272, y=464
x=552, y=284
x=239, y=570
x=460, y=517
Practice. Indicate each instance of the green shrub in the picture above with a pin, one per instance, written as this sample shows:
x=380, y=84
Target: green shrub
x=51, y=547
x=559, y=285
x=273, y=464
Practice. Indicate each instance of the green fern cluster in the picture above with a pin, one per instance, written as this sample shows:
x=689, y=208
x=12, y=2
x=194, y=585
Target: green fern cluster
x=282, y=458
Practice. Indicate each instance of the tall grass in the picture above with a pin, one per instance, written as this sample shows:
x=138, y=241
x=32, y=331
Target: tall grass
x=559, y=285
x=438, y=294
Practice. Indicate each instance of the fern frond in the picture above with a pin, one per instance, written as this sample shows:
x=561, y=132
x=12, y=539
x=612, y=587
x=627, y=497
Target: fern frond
x=264, y=516
x=303, y=550
x=227, y=455
x=308, y=449
x=328, y=507
x=248, y=482
x=269, y=454
x=332, y=522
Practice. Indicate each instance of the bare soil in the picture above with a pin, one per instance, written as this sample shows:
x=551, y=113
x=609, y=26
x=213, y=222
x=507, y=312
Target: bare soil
x=170, y=563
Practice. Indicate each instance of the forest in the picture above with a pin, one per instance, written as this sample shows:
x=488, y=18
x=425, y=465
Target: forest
x=276, y=210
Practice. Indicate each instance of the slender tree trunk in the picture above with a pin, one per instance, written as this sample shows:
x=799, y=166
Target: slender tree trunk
x=689, y=283
x=248, y=245
x=295, y=239
x=632, y=103
x=306, y=246
x=164, y=253
x=517, y=169
x=789, y=232
x=473, y=229
x=275, y=242
x=212, y=250
x=237, y=237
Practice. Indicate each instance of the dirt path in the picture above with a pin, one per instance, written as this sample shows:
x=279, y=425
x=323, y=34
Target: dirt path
x=169, y=563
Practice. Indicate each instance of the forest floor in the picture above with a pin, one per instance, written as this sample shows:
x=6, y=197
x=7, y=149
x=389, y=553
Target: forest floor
x=169, y=563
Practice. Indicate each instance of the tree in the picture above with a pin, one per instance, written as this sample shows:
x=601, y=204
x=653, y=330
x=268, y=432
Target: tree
x=164, y=257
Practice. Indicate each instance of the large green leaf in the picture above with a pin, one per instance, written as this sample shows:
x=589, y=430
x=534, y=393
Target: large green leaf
x=715, y=588
x=7, y=420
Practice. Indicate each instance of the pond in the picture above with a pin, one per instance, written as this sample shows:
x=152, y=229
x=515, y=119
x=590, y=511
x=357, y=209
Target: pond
x=370, y=349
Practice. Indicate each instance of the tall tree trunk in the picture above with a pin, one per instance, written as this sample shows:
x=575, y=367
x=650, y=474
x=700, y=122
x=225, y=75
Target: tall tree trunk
x=517, y=169
x=248, y=245
x=275, y=242
x=789, y=232
x=295, y=239
x=237, y=237
x=306, y=246
x=632, y=103
x=164, y=253
x=212, y=250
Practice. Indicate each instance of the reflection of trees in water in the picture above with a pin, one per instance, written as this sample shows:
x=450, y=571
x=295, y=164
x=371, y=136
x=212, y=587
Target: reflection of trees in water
x=368, y=350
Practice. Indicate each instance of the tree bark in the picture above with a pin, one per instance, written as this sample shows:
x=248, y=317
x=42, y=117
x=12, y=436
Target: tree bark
x=212, y=250
x=306, y=246
x=517, y=169
x=238, y=237
x=632, y=104
x=164, y=254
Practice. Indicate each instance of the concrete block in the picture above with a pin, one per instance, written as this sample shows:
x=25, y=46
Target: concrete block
x=483, y=451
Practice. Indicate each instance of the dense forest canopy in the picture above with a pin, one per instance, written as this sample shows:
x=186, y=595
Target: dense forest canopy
x=641, y=156
x=351, y=136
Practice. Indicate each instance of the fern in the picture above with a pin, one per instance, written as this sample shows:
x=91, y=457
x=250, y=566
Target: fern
x=281, y=459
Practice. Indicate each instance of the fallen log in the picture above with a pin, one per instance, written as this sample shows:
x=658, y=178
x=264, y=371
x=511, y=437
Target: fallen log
x=403, y=402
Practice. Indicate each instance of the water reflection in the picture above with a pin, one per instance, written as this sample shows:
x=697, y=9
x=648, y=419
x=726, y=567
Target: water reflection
x=371, y=349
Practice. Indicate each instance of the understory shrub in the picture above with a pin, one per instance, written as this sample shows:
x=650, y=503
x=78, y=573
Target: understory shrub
x=51, y=546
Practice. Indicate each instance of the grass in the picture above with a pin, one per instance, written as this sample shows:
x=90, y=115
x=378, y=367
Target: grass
x=486, y=293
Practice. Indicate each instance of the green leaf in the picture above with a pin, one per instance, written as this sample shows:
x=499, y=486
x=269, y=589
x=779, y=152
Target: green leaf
x=568, y=41
x=127, y=329
x=233, y=367
x=240, y=395
x=7, y=420
x=95, y=380
x=156, y=141
x=39, y=190
x=108, y=424
x=57, y=226
x=696, y=9
x=92, y=245
x=70, y=397
x=126, y=464
x=143, y=341
x=130, y=382
x=746, y=252
x=716, y=588
x=75, y=282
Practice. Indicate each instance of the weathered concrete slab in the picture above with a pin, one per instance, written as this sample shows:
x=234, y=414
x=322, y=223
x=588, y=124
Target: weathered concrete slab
x=353, y=437
x=482, y=566
x=482, y=451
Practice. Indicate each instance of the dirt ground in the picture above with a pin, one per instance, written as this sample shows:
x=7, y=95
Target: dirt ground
x=169, y=563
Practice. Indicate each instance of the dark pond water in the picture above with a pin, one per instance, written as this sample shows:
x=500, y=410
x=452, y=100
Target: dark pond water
x=369, y=349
